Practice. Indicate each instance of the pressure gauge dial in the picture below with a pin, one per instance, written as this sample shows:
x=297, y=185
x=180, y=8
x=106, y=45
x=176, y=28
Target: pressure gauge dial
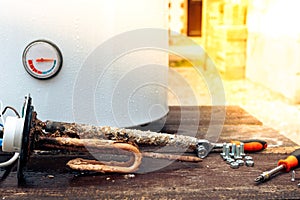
x=42, y=59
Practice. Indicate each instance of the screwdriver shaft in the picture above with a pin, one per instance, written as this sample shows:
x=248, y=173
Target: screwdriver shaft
x=268, y=174
x=276, y=169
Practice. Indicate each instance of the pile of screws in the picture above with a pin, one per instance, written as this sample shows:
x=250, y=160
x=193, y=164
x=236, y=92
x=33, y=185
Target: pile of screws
x=235, y=156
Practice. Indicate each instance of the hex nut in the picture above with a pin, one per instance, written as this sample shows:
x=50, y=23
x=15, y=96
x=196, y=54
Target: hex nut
x=249, y=163
x=234, y=165
x=225, y=158
x=229, y=160
x=248, y=158
x=240, y=162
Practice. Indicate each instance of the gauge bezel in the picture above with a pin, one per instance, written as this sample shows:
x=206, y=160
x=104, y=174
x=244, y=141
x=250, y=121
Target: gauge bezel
x=51, y=74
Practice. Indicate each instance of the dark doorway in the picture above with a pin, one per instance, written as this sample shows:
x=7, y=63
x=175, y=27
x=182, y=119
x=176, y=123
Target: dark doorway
x=194, y=17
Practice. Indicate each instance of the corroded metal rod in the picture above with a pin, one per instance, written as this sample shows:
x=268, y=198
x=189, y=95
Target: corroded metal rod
x=98, y=166
x=96, y=145
x=172, y=157
x=79, y=137
x=120, y=134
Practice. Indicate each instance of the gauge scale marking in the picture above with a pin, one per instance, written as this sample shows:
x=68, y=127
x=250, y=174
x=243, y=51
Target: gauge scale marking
x=42, y=59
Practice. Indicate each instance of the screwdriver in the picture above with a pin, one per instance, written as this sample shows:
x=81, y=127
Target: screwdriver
x=252, y=145
x=292, y=161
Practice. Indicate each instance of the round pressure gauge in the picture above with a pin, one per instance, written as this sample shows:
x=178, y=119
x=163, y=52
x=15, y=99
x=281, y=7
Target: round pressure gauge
x=42, y=59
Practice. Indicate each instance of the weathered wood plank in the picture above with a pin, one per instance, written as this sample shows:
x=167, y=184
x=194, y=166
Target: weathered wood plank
x=234, y=115
x=210, y=179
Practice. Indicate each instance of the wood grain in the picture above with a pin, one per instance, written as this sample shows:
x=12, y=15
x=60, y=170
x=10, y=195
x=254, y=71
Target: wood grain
x=48, y=176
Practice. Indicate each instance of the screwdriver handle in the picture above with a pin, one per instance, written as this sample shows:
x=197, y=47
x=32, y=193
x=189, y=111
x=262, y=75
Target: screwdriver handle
x=253, y=145
x=291, y=161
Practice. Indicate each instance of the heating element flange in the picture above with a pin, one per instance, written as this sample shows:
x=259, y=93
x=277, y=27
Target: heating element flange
x=26, y=146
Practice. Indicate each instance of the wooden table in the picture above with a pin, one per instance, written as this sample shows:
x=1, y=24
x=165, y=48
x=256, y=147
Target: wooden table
x=48, y=177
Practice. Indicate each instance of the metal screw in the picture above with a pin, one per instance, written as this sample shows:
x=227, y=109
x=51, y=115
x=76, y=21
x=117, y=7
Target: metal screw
x=249, y=163
x=224, y=150
x=233, y=149
x=240, y=162
x=226, y=153
x=293, y=176
x=234, y=165
x=248, y=158
x=238, y=153
x=242, y=149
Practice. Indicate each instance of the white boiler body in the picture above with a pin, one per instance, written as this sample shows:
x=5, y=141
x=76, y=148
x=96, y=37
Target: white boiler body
x=126, y=91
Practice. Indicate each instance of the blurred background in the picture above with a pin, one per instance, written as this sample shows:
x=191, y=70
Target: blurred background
x=254, y=44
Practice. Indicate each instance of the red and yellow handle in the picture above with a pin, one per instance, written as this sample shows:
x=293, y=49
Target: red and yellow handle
x=291, y=161
x=253, y=145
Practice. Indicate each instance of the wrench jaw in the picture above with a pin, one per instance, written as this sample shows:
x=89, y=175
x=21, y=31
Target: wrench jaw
x=203, y=148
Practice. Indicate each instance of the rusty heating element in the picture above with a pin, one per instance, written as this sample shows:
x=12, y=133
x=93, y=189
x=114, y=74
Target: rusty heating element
x=72, y=137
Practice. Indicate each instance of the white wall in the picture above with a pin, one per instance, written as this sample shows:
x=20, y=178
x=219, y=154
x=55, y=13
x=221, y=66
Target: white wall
x=78, y=27
x=273, y=48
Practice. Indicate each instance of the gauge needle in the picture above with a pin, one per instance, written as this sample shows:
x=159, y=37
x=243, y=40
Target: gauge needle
x=44, y=60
